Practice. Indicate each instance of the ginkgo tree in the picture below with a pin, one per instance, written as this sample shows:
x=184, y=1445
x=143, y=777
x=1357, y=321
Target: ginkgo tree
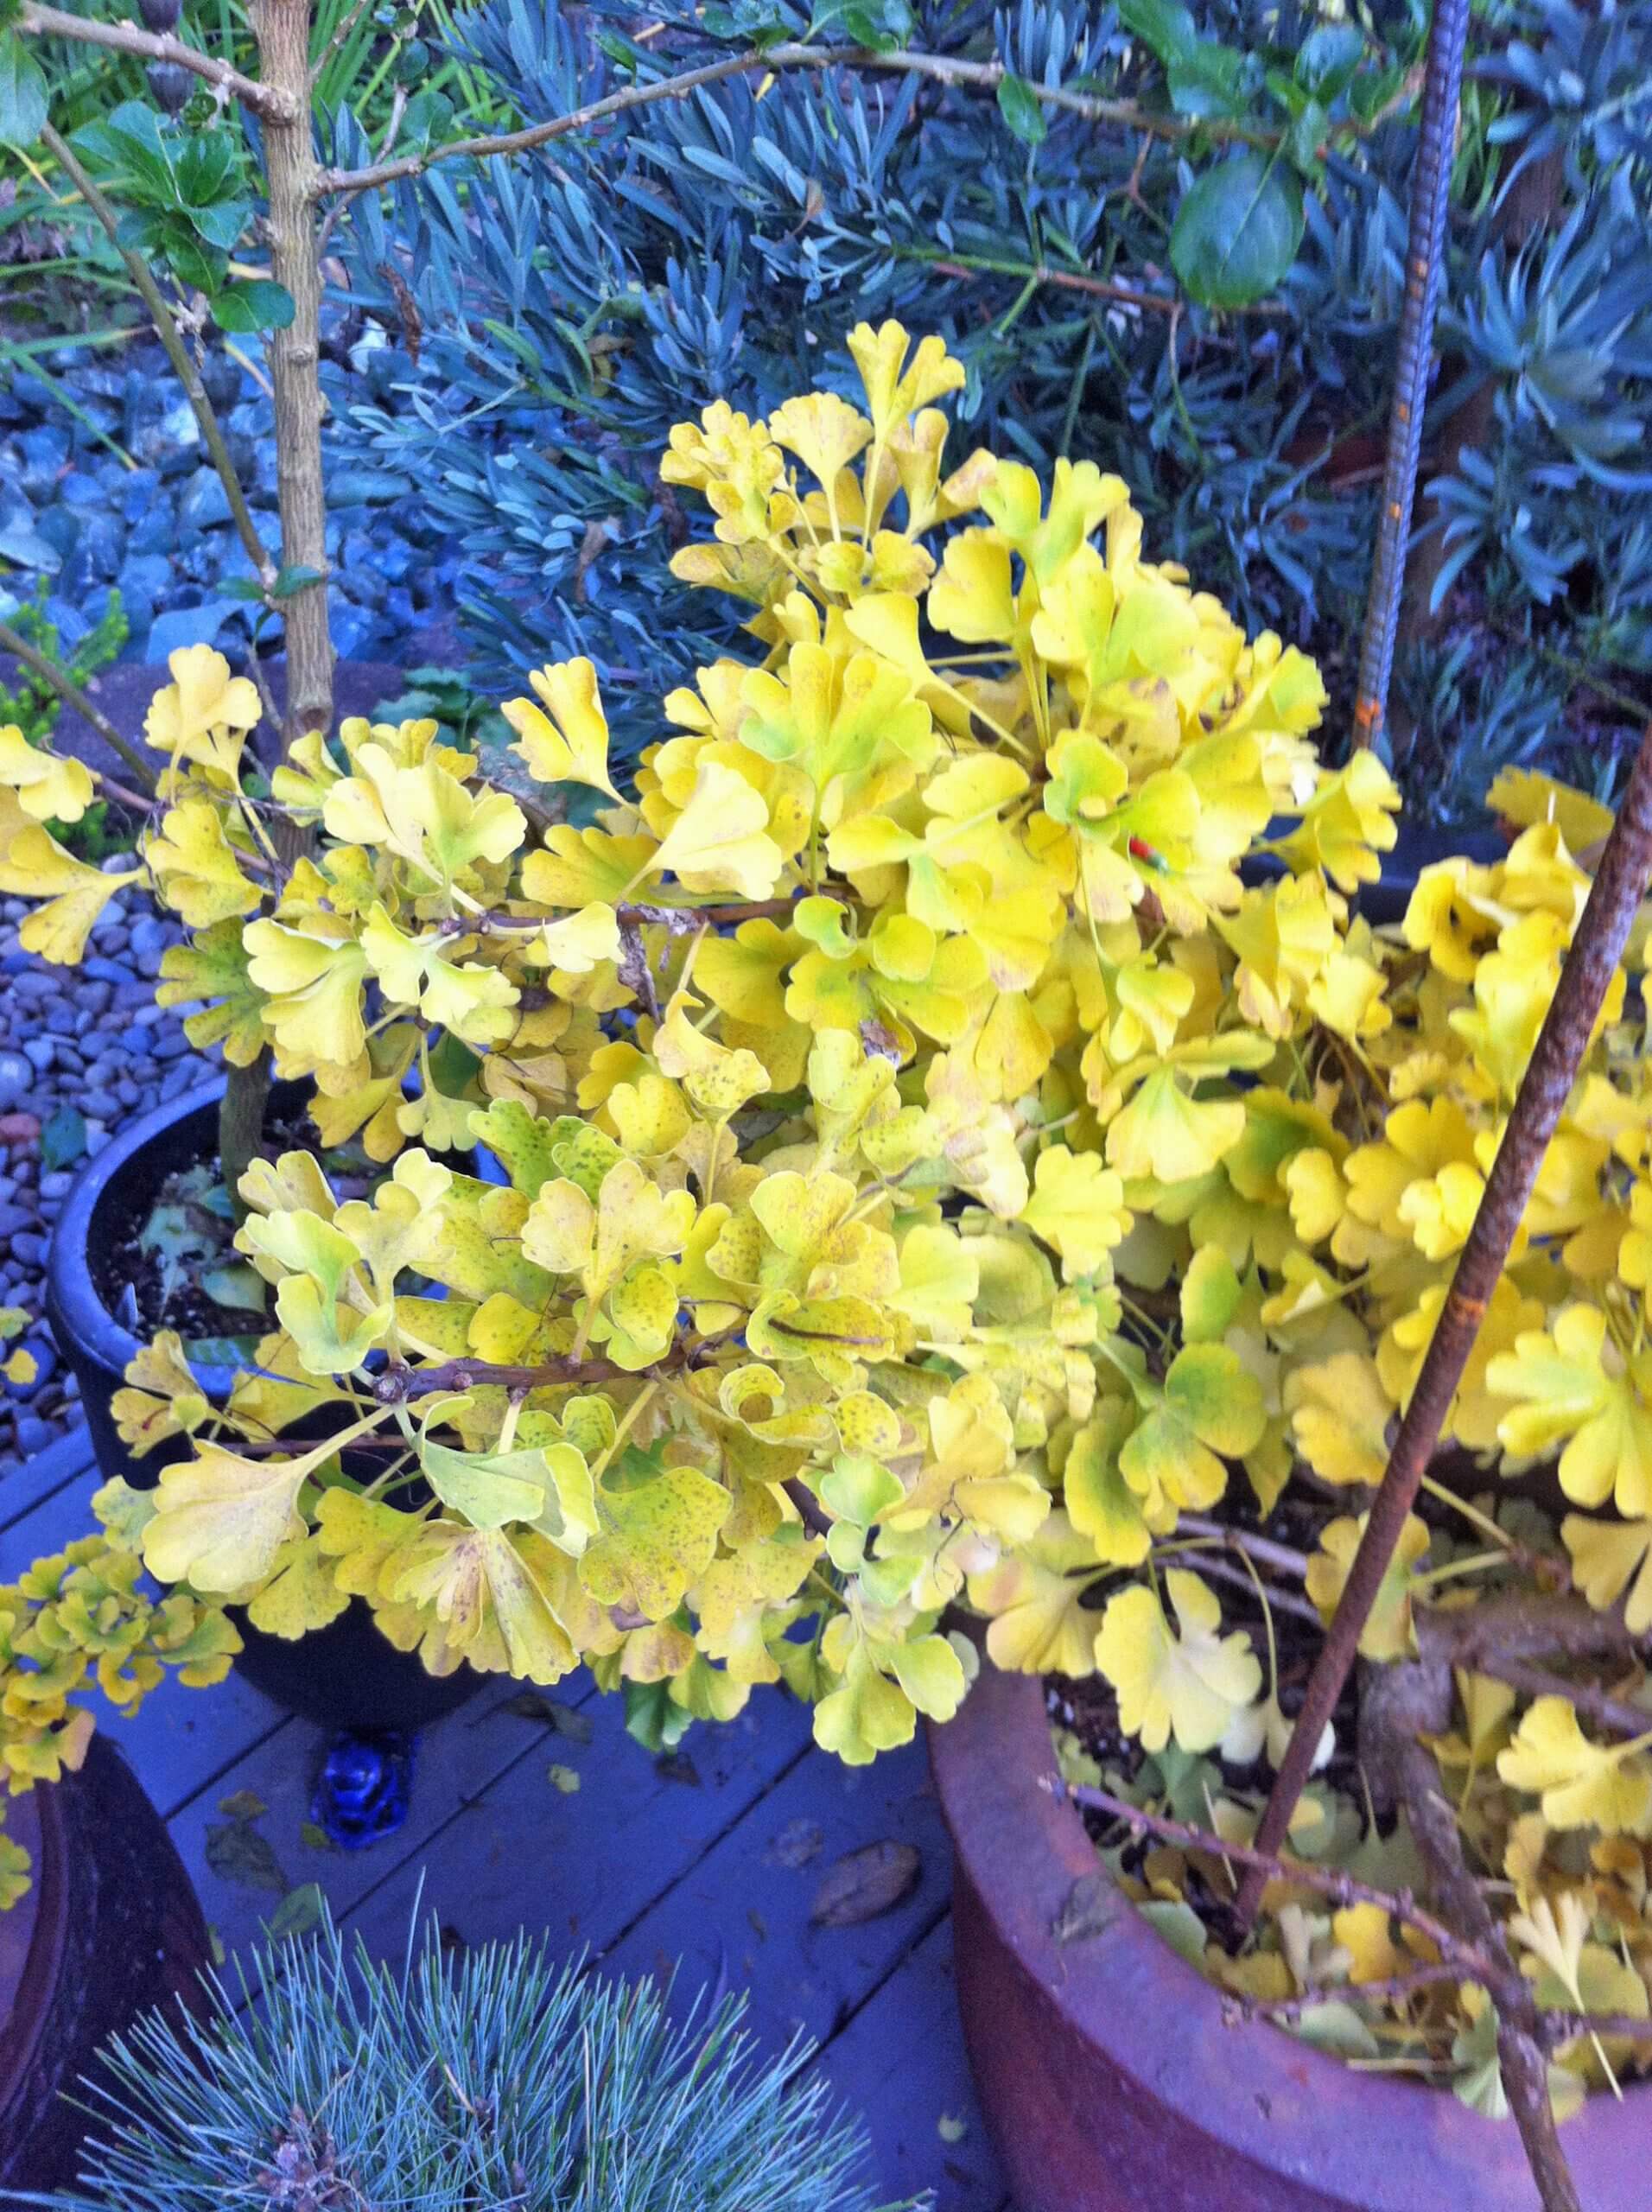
x=962, y=1148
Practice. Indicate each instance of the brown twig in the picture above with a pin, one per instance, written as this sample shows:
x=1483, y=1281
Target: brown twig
x=1222, y=1570
x=399, y=1384
x=1609, y=1712
x=1613, y=901
x=37, y=21
x=808, y=1511
x=177, y=352
x=1076, y=280
x=944, y=69
x=1263, y=1549
x=1519, y=1626
x=69, y=692
x=1329, y=1881
x=1394, y=1989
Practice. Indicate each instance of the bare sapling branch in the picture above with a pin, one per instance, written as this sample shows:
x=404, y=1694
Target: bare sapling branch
x=273, y=102
x=183, y=362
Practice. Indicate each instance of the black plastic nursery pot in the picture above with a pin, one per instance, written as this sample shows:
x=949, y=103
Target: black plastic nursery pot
x=345, y=1675
x=110, y=1929
x=1110, y=2078
x=1420, y=845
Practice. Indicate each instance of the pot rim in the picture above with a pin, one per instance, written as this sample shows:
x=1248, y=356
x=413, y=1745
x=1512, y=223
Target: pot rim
x=72, y=1305
x=74, y=1309
x=1367, y=2141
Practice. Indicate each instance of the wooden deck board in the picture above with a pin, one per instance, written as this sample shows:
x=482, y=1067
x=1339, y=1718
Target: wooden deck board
x=744, y=1914
x=585, y=1864
x=27, y=1485
x=900, y=2064
x=716, y=1875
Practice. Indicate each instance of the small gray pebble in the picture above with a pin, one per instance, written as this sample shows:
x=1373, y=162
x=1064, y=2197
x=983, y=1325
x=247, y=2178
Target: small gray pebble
x=96, y=1140
x=39, y=1052
x=56, y=1185
x=30, y=1247
x=104, y=1104
x=32, y=1435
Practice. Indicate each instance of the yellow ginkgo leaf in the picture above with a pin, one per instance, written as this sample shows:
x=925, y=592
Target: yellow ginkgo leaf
x=313, y=986
x=579, y=942
x=161, y=1397
x=1077, y=1207
x=197, y=867
x=1607, y=1556
x=1580, y=1784
x=33, y=865
x=204, y=714
x=721, y=842
x=1339, y=1416
x=1186, y=1681
x=221, y=1520
x=1387, y=1633
x=1573, y=1383
x=48, y=787
x=565, y=738
x=1037, y=1623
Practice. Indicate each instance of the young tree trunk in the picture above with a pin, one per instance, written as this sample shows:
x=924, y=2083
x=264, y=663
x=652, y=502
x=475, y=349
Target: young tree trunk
x=282, y=30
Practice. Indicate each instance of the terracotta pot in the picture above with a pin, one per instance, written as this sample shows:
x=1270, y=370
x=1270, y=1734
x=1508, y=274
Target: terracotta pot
x=110, y=1929
x=345, y=1675
x=1109, y=2079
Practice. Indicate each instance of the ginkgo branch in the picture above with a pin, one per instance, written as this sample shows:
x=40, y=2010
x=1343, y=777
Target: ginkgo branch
x=1521, y=2057
x=1330, y=1881
x=37, y=21
x=399, y=1384
x=69, y=692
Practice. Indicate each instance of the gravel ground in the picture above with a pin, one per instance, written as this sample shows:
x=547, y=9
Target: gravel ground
x=91, y=1039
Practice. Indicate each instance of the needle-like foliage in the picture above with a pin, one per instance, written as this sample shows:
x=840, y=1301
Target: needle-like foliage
x=499, y=2079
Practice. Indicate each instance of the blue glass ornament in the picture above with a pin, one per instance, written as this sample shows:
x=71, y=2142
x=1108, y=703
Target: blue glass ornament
x=364, y=1787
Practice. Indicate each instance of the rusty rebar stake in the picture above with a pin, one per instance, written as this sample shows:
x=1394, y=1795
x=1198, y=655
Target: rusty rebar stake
x=1620, y=885
x=1431, y=194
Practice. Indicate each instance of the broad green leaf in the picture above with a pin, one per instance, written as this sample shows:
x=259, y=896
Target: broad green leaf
x=23, y=93
x=1238, y=230
x=256, y=304
x=1020, y=108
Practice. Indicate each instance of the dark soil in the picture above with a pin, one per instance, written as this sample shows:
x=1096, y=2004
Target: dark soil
x=132, y=1278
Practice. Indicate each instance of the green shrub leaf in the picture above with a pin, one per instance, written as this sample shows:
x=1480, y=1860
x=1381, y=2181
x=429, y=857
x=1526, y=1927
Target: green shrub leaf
x=1238, y=230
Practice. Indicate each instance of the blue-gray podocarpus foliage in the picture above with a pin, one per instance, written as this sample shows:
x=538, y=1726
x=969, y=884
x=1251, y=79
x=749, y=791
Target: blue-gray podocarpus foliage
x=499, y=2079
x=576, y=303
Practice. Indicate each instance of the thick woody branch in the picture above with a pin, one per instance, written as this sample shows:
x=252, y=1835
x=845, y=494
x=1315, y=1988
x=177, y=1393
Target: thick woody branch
x=177, y=352
x=1520, y=1627
x=944, y=69
x=1613, y=901
x=266, y=100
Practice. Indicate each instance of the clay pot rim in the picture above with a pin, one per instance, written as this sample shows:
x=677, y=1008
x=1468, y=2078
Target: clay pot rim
x=1367, y=2141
